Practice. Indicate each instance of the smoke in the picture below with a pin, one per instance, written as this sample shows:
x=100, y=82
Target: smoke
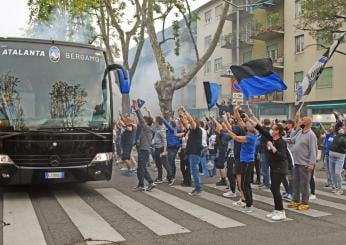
x=147, y=74
x=63, y=26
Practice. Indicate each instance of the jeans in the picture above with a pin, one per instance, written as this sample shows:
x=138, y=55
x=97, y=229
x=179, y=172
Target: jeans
x=204, y=162
x=277, y=179
x=194, y=162
x=246, y=173
x=172, y=153
x=326, y=162
x=142, y=172
x=335, y=166
x=162, y=160
x=265, y=169
x=212, y=172
x=301, y=183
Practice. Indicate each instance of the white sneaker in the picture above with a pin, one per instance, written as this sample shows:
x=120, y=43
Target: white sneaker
x=229, y=194
x=271, y=214
x=246, y=209
x=279, y=215
x=312, y=197
x=239, y=204
x=124, y=169
x=339, y=192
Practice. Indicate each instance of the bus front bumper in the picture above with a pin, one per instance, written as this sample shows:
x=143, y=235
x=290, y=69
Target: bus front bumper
x=12, y=174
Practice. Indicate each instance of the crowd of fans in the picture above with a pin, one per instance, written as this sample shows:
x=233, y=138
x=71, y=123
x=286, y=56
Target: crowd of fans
x=239, y=148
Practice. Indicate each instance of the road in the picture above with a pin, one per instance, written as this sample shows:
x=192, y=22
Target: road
x=100, y=212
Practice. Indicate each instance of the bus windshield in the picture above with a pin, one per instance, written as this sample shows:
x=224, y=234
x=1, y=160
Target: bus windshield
x=46, y=86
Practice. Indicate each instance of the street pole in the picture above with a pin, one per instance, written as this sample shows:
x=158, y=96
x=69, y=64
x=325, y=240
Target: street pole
x=237, y=41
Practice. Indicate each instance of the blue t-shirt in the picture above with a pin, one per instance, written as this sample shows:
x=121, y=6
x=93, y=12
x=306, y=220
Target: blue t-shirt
x=248, y=149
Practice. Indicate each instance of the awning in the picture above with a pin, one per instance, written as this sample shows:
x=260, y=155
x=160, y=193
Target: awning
x=327, y=106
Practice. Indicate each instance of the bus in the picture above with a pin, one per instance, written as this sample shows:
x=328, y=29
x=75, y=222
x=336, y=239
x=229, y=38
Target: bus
x=56, y=112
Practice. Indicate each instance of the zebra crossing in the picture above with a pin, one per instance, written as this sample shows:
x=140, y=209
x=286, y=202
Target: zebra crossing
x=26, y=228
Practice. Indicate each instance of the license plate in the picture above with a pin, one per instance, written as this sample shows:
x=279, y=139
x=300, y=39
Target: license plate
x=54, y=175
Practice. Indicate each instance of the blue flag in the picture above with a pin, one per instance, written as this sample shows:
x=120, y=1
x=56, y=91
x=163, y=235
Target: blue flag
x=257, y=78
x=124, y=81
x=140, y=105
x=212, y=93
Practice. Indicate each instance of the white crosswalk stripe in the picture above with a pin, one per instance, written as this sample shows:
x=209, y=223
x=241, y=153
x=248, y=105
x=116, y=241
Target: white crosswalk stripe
x=154, y=221
x=268, y=200
x=258, y=213
x=328, y=194
x=199, y=212
x=90, y=224
x=24, y=226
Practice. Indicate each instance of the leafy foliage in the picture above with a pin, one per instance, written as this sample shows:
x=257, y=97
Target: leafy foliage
x=321, y=16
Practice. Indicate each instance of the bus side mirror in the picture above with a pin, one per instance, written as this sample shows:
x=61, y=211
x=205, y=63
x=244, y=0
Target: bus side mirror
x=123, y=76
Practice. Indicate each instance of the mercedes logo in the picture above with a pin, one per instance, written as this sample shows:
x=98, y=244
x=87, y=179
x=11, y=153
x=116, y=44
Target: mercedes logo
x=54, y=161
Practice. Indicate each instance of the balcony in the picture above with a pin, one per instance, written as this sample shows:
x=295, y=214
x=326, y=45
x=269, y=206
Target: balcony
x=278, y=63
x=243, y=13
x=231, y=43
x=271, y=29
x=226, y=71
x=267, y=3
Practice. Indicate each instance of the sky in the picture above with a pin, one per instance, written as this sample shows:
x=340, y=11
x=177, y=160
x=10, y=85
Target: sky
x=14, y=16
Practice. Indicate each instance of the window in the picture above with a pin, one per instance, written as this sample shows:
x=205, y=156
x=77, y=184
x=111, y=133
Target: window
x=218, y=12
x=298, y=78
x=207, y=67
x=207, y=16
x=218, y=65
x=298, y=8
x=272, y=52
x=247, y=56
x=248, y=32
x=299, y=44
x=207, y=41
x=326, y=78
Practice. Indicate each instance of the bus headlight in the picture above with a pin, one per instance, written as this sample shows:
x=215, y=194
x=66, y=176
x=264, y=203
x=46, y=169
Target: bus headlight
x=102, y=157
x=5, y=159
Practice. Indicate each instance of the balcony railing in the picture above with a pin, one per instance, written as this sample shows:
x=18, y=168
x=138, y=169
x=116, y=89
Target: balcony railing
x=231, y=42
x=273, y=97
x=278, y=62
x=226, y=71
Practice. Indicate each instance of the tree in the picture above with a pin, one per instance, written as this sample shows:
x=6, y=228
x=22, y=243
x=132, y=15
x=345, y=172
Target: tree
x=109, y=15
x=323, y=18
x=169, y=83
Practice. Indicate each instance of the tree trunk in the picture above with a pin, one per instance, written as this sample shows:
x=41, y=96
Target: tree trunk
x=165, y=91
x=125, y=103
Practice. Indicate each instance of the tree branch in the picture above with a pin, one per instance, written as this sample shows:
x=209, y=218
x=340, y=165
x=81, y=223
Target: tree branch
x=187, y=77
x=188, y=25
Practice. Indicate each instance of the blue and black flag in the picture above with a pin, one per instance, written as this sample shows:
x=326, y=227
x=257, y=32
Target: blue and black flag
x=257, y=78
x=212, y=93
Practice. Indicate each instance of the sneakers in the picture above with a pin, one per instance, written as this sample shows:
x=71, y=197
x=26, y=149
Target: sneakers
x=312, y=197
x=151, y=186
x=195, y=192
x=246, y=209
x=158, y=181
x=139, y=188
x=270, y=215
x=258, y=182
x=171, y=182
x=303, y=207
x=287, y=197
x=128, y=173
x=229, y=194
x=222, y=182
x=279, y=215
x=294, y=204
x=165, y=180
x=339, y=192
x=239, y=203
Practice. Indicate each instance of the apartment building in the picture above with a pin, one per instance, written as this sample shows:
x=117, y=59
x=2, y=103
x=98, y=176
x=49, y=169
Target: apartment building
x=268, y=30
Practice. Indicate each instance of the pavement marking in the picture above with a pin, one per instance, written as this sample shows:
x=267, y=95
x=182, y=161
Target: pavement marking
x=258, y=213
x=24, y=226
x=154, y=221
x=329, y=204
x=89, y=223
x=330, y=194
x=194, y=210
x=310, y=212
x=268, y=200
